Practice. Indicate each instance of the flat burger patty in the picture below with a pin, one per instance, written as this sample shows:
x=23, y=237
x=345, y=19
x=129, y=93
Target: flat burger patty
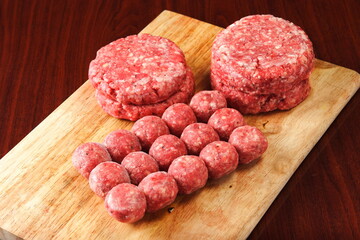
x=262, y=54
x=134, y=112
x=139, y=69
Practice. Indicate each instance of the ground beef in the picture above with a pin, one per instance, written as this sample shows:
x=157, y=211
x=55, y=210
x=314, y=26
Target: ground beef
x=148, y=129
x=134, y=112
x=139, y=69
x=250, y=103
x=205, y=103
x=225, y=120
x=107, y=175
x=165, y=149
x=88, y=155
x=126, y=203
x=120, y=143
x=139, y=165
x=221, y=158
x=190, y=173
x=197, y=135
x=160, y=190
x=177, y=117
x=261, y=56
x=249, y=142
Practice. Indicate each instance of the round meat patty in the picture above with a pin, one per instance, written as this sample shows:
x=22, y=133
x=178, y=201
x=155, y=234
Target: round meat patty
x=165, y=149
x=221, y=158
x=225, y=120
x=126, y=203
x=139, y=69
x=139, y=165
x=135, y=112
x=120, y=143
x=88, y=155
x=148, y=129
x=249, y=142
x=205, y=103
x=260, y=55
x=197, y=135
x=107, y=175
x=177, y=117
x=190, y=173
x=160, y=190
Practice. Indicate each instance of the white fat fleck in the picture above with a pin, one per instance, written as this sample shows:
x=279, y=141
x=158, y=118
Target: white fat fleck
x=212, y=104
x=143, y=81
x=148, y=64
x=225, y=57
x=242, y=63
x=162, y=78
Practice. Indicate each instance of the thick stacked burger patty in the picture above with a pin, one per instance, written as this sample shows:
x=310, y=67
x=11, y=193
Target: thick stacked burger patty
x=140, y=75
x=262, y=63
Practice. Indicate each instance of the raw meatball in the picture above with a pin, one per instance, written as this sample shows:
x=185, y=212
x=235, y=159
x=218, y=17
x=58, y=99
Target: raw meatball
x=160, y=190
x=148, y=129
x=165, y=149
x=88, y=155
x=205, y=103
x=220, y=158
x=197, y=135
x=249, y=142
x=225, y=120
x=190, y=173
x=120, y=143
x=139, y=165
x=126, y=203
x=107, y=175
x=177, y=117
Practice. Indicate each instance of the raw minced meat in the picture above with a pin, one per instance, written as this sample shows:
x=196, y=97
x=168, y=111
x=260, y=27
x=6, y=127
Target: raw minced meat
x=261, y=56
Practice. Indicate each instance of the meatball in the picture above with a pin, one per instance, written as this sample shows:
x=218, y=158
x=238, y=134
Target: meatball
x=190, y=173
x=88, y=155
x=205, y=103
x=139, y=165
x=120, y=143
x=166, y=148
x=249, y=142
x=220, y=157
x=107, y=175
x=160, y=190
x=197, y=135
x=148, y=129
x=225, y=120
x=126, y=203
x=177, y=117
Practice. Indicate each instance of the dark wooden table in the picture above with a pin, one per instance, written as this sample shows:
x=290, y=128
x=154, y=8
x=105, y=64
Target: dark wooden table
x=46, y=47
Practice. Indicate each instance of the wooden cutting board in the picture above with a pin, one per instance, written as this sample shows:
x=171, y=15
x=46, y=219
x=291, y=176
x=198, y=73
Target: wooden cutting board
x=43, y=197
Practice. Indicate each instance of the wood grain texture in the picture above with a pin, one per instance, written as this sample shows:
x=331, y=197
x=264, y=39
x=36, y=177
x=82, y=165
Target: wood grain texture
x=42, y=196
x=46, y=46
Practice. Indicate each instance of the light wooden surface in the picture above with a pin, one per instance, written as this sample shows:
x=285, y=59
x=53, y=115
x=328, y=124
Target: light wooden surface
x=43, y=197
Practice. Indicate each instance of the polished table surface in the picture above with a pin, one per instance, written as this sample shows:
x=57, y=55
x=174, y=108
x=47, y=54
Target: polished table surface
x=46, y=47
